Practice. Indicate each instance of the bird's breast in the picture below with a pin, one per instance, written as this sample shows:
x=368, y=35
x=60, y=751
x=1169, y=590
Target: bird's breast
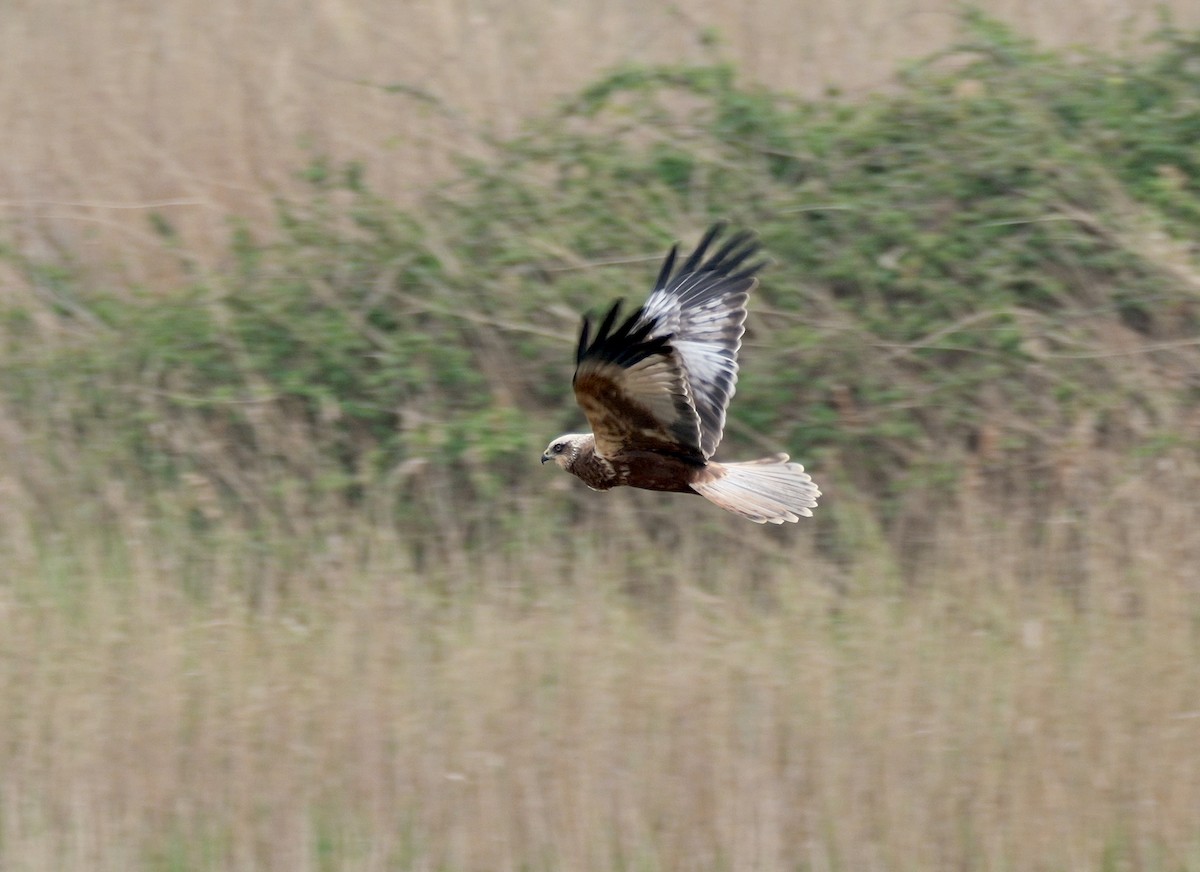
x=654, y=471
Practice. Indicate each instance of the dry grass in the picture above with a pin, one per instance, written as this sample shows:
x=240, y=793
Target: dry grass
x=1019, y=692
x=1024, y=702
x=198, y=110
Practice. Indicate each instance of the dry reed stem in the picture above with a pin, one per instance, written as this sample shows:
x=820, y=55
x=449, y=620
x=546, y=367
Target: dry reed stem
x=995, y=712
x=198, y=110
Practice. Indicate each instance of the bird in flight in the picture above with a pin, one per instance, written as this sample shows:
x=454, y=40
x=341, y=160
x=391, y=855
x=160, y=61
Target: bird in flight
x=655, y=386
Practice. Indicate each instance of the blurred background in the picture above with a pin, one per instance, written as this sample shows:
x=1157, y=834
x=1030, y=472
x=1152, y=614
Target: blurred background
x=199, y=111
x=288, y=298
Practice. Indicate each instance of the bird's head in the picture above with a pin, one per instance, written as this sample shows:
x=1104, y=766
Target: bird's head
x=564, y=449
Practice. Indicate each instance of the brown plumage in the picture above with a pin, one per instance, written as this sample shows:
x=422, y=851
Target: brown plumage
x=655, y=386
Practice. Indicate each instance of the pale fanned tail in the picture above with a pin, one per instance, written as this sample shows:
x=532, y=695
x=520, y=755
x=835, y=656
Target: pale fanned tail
x=767, y=491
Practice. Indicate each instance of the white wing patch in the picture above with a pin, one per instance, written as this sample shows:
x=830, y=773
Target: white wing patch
x=706, y=315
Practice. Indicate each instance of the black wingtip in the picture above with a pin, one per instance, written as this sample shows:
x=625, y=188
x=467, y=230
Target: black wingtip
x=697, y=256
x=620, y=341
x=611, y=318
x=664, y=274
x=584, y=332
x=728, y=260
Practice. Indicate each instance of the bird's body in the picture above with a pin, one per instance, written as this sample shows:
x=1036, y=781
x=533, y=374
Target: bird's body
x=649, y=470
x=655, y=387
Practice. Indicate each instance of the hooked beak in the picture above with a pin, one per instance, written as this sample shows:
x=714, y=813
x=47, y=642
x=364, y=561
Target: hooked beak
x=545, y=457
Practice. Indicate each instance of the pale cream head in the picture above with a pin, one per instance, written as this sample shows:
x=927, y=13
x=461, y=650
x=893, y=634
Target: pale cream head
x=564, y=449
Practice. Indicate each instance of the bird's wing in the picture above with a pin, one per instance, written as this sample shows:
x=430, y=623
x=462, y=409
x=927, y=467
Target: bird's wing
x=701, y=307
x=632, y=388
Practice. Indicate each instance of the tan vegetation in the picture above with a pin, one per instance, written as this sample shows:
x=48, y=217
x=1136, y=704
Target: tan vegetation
x=599, y=704
x=279, y=591
x=198, y=110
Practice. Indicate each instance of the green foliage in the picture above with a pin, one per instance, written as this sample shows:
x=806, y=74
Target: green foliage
x=951, y=258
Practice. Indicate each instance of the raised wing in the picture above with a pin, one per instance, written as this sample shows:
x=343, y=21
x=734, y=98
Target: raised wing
x=701, y=308
x=632, y=389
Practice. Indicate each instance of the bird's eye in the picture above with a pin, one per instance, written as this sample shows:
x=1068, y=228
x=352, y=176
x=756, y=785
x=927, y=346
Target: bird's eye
x=558, y=448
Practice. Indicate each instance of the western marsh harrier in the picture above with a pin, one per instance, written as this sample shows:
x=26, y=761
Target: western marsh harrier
x=655, y=387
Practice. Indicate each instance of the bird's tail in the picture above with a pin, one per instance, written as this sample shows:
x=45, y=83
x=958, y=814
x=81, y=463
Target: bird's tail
x=767, y=491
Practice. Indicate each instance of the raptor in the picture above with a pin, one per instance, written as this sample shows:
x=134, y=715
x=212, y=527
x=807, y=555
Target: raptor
x=655, y=386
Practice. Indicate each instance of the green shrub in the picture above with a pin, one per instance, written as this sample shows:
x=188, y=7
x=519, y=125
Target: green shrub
x=952, y=258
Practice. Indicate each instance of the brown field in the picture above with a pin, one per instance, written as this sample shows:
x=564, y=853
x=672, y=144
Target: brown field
x=196, y=110
x=999, y=687
x=734, y=700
